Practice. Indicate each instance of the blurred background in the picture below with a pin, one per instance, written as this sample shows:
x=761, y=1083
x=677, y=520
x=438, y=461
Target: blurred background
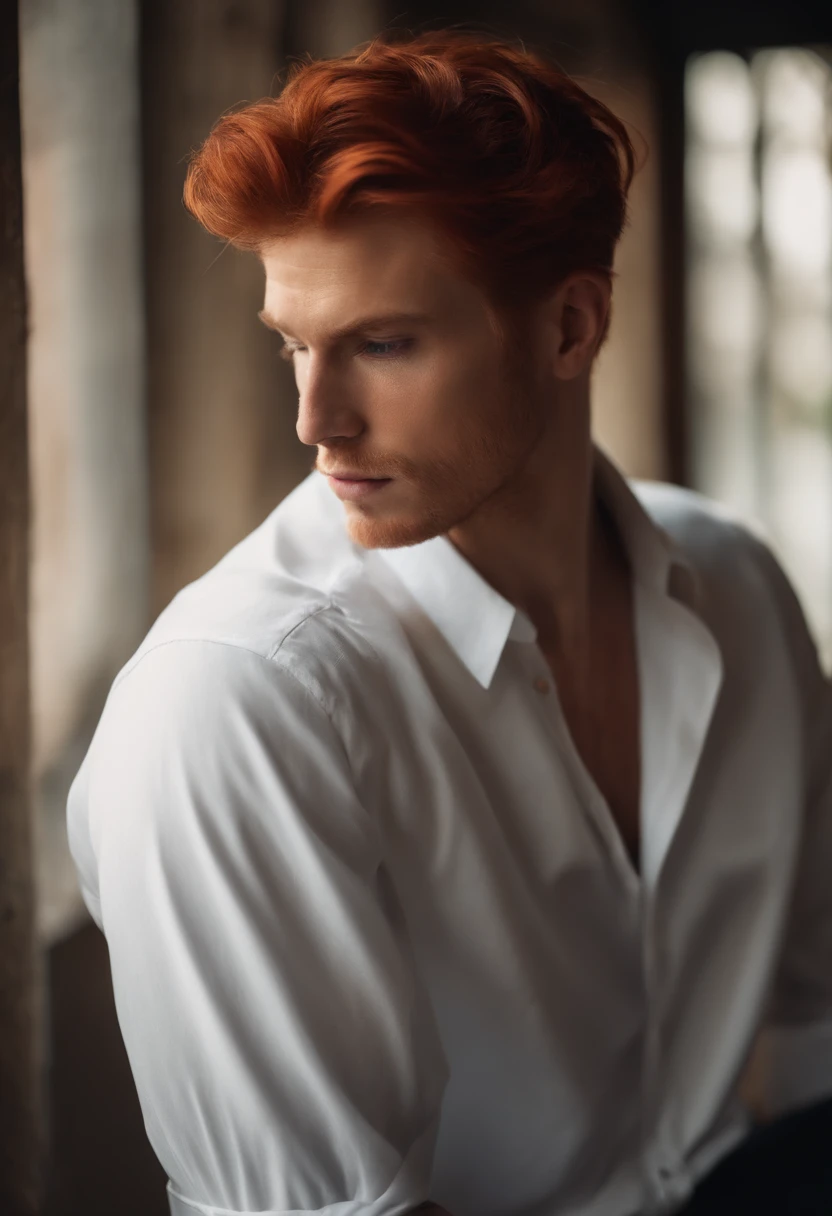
x=159, y=420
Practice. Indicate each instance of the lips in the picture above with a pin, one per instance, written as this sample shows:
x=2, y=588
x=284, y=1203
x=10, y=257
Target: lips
x=355, y=477
x=353, y=488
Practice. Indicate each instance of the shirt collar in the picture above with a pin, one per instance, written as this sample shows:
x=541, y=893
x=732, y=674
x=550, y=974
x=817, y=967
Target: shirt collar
x=656, y=560
x=476, y=621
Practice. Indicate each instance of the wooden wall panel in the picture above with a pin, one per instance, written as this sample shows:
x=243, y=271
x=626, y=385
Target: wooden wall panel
x=19, y=989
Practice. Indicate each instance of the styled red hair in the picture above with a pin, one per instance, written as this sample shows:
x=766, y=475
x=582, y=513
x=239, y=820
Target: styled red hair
x=518, y=166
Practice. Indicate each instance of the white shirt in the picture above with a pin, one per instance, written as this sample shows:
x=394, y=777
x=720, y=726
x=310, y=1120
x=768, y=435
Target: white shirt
x=374, y=935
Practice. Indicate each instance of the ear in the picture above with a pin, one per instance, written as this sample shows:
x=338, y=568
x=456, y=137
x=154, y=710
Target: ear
x=576, y=319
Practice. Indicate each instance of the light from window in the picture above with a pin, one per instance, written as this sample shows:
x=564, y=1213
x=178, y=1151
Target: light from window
x=758, y=187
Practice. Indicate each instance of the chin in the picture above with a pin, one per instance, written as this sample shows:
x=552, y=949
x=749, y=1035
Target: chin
x=396, y=529
x=392, y=532
x=432, y=511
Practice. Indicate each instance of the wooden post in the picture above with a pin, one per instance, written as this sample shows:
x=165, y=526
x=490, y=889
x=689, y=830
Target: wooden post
x=89, y=583
x=20, y=1145
x=221, y=406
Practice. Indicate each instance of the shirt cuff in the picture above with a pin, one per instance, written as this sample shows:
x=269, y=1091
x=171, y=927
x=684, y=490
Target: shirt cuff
x=405, y=1192
x=796, y=1066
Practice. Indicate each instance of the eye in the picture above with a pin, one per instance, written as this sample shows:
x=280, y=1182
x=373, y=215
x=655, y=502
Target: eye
x=373, y=348
x=385, y=350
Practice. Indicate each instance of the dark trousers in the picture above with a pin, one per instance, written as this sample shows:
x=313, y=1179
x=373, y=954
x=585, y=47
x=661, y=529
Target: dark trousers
x=783, y=1168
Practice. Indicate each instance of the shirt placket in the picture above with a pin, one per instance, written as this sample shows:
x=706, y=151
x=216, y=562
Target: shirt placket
x=665, y=1176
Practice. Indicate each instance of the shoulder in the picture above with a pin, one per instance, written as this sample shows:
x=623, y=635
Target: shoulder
x=744, y=582
x=210, y=763
x=280, y=596
x=694, y=522
x=719, y=542
x=216, y=729
x=199, y=690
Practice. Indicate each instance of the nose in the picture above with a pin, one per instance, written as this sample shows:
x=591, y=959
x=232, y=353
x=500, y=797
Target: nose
x=325, y=412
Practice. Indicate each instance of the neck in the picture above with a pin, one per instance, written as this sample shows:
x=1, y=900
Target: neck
x=538, y=541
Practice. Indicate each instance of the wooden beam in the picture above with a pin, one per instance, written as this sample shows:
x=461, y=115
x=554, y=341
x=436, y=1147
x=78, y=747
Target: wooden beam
x=20, y=1147
x=221, y=405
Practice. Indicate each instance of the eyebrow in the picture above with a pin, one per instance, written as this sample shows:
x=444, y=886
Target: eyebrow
x=361, y=325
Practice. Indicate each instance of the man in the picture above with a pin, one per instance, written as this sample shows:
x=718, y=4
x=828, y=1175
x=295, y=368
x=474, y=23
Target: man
x=456, y=834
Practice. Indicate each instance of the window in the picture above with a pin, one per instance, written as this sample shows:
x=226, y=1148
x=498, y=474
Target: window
x=758, y=191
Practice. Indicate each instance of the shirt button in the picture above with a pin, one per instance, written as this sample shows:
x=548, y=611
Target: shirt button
x=541, y=685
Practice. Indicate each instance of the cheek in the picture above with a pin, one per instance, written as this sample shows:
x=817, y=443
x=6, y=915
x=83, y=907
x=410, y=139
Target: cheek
x=446, y=414
x=449, y=397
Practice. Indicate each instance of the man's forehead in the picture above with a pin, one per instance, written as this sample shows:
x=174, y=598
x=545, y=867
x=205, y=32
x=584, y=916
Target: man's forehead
x=354, y=249
x=322, y=276
x=336, y=312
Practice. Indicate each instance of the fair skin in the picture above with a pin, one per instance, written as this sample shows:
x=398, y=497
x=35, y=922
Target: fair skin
x=492, y=452
x=496, y=456
x=469, y=442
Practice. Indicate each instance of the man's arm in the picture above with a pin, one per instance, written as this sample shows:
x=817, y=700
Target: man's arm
x=273, y=1019
x=796, y=1046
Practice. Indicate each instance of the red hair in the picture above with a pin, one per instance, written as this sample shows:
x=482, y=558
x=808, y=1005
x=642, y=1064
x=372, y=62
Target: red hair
x=519, y=167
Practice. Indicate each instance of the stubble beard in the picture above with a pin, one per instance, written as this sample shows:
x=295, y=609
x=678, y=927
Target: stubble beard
x=448, y=493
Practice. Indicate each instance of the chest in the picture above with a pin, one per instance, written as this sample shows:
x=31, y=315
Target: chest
x=606, y=737
x=602, y=715
x=528, y=940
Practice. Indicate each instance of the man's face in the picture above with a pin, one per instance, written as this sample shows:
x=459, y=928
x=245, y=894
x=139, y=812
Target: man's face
x=427, y=399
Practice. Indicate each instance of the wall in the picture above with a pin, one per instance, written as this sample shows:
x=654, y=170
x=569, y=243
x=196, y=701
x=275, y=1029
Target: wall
x=80, y=112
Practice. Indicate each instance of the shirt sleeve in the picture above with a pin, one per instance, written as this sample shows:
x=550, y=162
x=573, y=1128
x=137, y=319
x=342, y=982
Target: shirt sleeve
x=796, y=1044
x=282, y=1045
